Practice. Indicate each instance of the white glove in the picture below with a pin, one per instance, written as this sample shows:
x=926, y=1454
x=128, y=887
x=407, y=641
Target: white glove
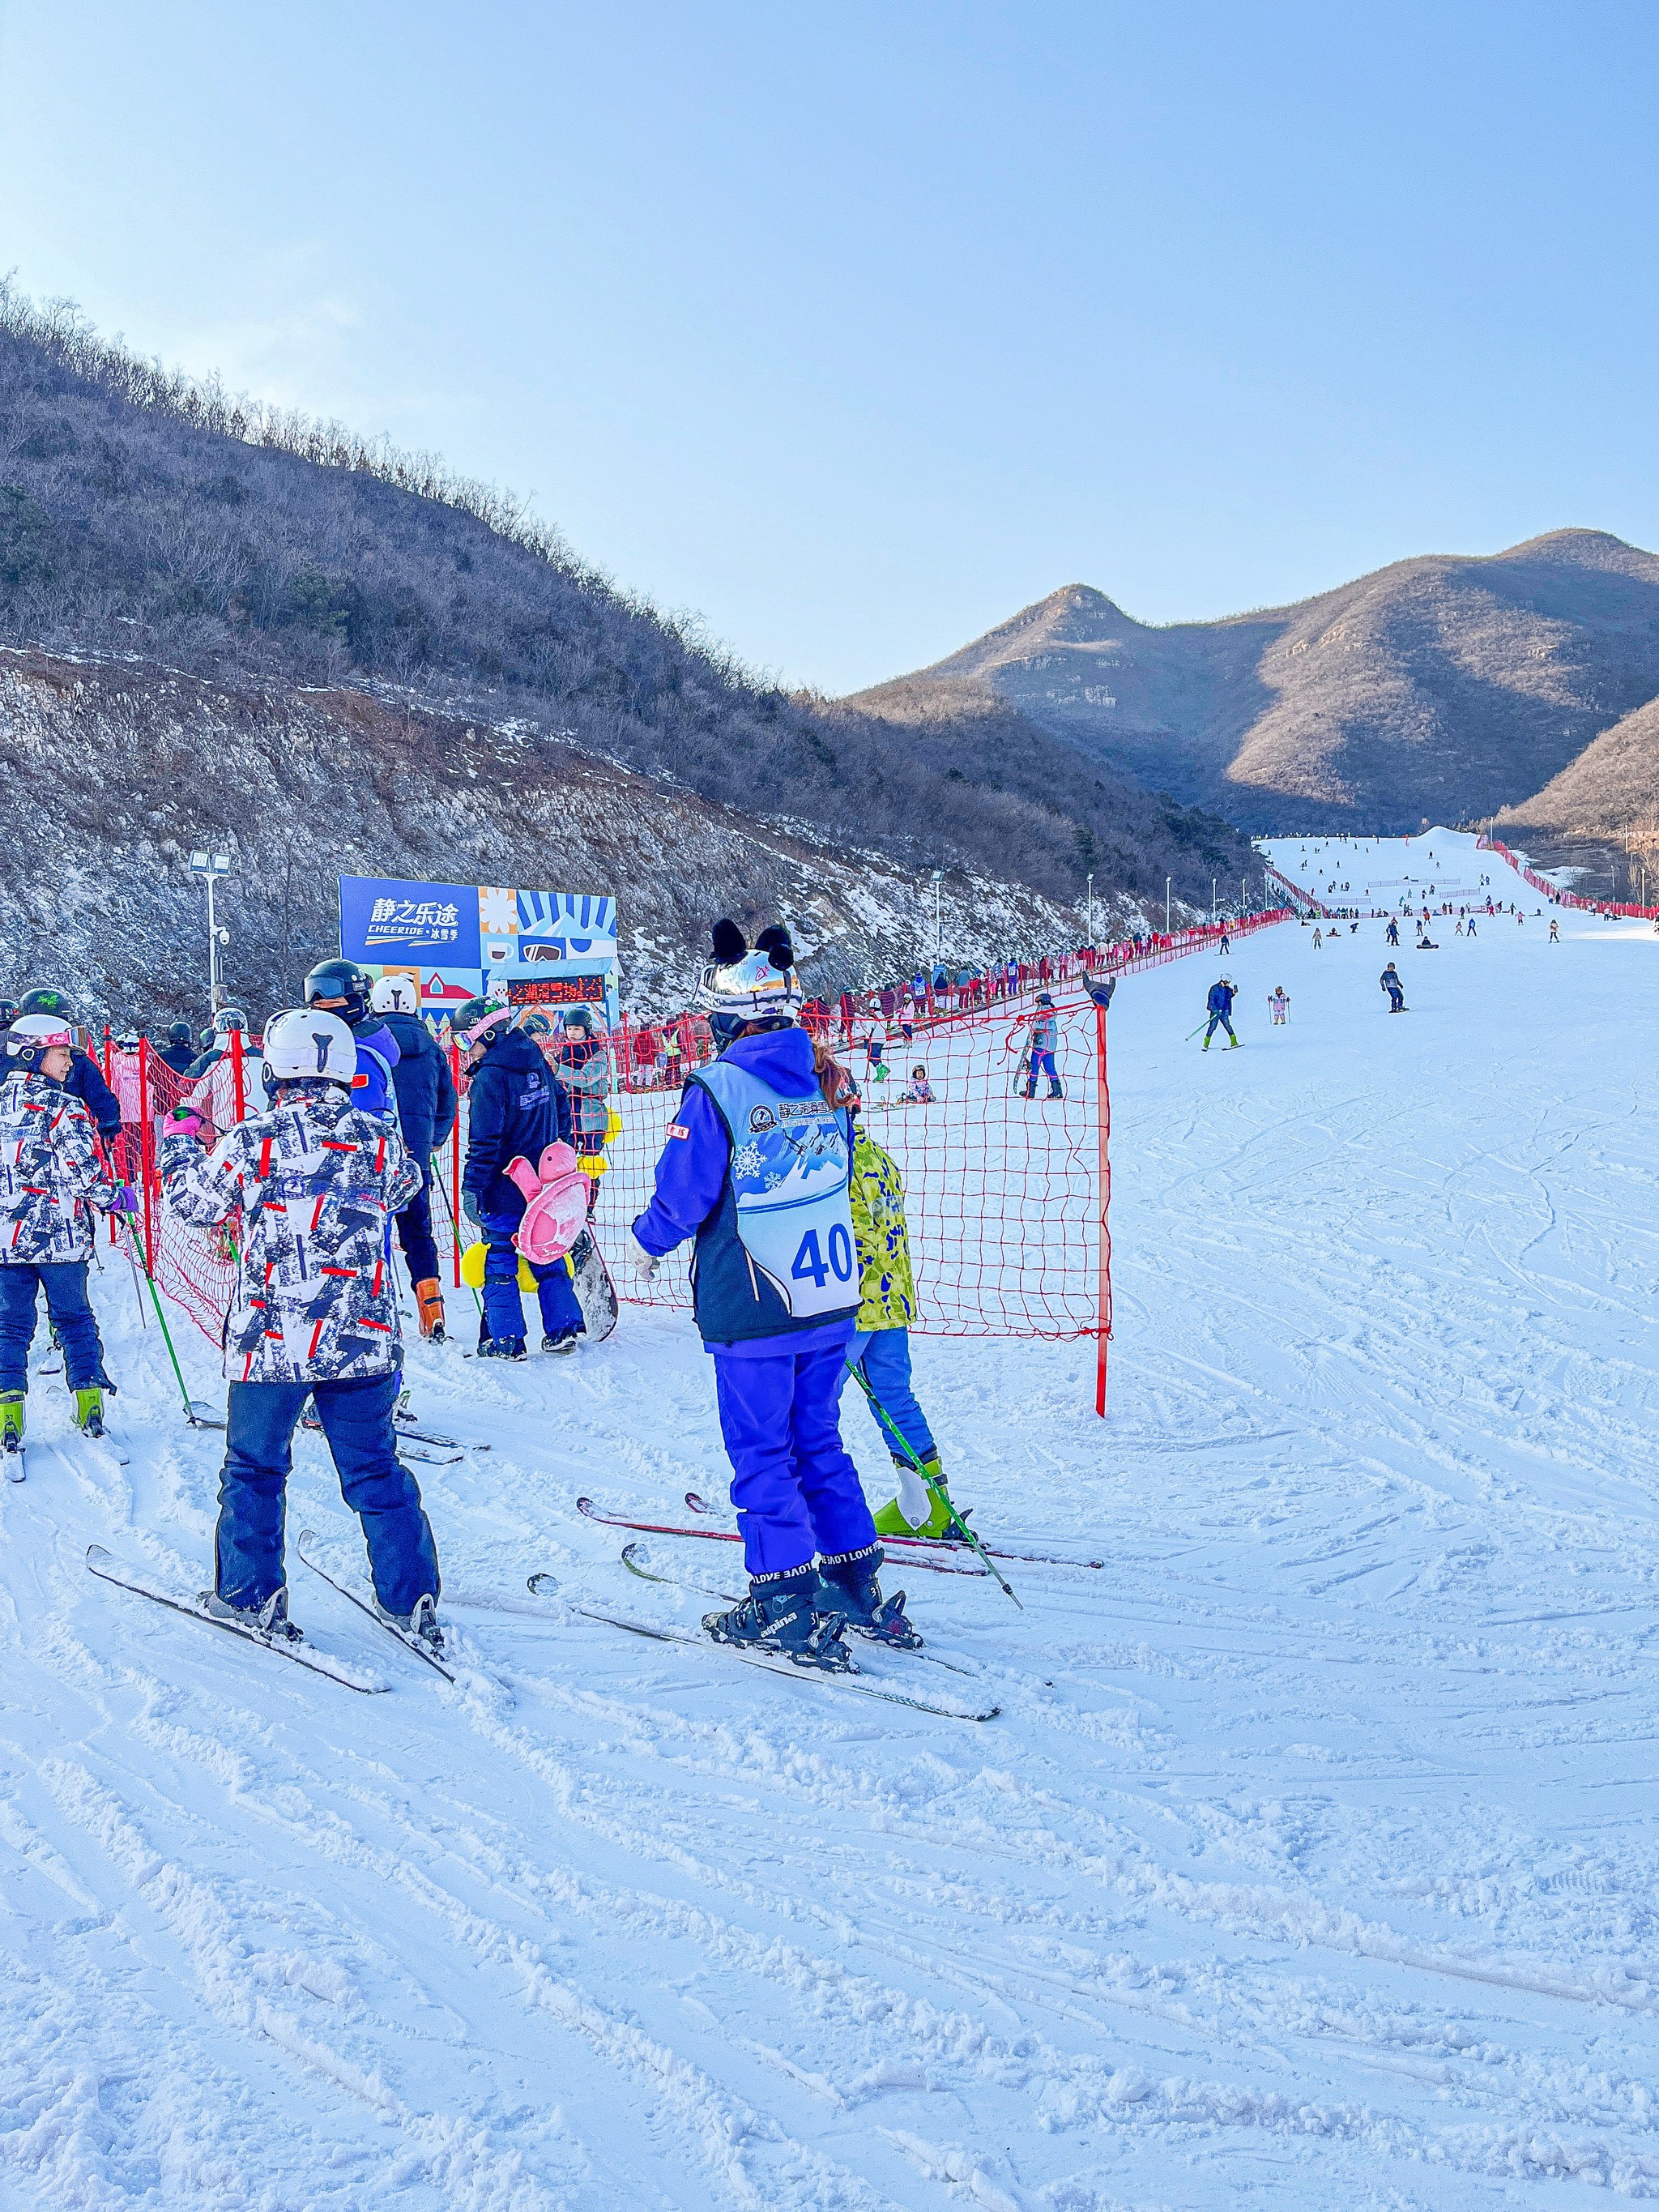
x=646, y=1264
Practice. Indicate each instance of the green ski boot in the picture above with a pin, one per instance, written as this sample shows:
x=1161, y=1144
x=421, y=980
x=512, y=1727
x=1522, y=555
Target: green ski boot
x=89, y=1410
x=12, y=1403
x=940, y=1518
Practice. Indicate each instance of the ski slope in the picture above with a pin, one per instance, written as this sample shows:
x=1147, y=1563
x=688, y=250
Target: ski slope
x=1311, y=1863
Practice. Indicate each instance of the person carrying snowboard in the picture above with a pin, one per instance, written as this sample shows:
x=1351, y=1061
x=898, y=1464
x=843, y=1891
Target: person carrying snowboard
x=425, y=1092
x=757, y=1168
x=514, y=1110
x=50, y=1174
x=1043, y=1040
x=1220, y=1006
x=313, y=1314
x=1389, y=980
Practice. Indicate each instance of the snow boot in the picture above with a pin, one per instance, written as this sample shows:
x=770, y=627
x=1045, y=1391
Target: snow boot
x=89, y=1410
x=920, y=1509
x=847, y=1586
x=429, y=1301
x=270, y=1620
x=502, y=1347
x=566, y=1343
x=1054, y=1091
x=780, y=1615
x=422, y=1623
x=12, y=1403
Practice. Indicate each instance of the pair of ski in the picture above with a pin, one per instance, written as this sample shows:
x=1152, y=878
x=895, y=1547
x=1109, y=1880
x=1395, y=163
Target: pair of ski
x=916, y=1551
x=422, y=1444
x=16, y=1460
x=770, y=1662
x=103, y=1562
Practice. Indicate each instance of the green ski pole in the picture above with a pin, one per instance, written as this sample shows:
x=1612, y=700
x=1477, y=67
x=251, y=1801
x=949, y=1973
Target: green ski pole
x=935, y=1487
x=191, y=1413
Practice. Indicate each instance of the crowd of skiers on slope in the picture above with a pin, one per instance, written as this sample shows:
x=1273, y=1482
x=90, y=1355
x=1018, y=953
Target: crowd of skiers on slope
x=802, y=1279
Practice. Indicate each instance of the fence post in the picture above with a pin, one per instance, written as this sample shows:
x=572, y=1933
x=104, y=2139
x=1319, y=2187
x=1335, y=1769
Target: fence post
x=1104, y=1109
x=238, y=1089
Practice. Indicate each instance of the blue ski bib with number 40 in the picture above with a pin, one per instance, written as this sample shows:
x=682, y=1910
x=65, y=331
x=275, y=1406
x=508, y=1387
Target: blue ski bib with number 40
x=791, y=1180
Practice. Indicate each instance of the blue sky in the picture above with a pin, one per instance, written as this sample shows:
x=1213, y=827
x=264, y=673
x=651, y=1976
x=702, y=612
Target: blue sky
x=857, y=328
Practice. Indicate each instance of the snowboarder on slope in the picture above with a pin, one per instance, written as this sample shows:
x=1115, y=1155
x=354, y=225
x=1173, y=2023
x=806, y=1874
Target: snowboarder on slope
x=1220, y=1006
x=1389, y=981
x=514, y=1110
x=50, y=1172
x=425, y=1091
x=314, y=1314
x=1042, y=1041
x=757, y=1168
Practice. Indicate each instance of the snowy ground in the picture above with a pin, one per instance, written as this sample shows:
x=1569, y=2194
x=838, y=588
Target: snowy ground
x=1311, y=1863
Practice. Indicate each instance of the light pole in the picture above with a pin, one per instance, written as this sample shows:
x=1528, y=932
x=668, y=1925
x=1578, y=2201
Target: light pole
x=211, y=866
x=1091, y=914
x=1166, y=905
x=939, y=878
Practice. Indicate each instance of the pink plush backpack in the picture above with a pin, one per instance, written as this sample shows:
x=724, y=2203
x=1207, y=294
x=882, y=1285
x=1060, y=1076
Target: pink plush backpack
x=557, y=1213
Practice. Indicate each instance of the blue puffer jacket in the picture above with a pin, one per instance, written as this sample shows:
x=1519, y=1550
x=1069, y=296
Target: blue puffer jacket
x=85, y=1081
x=425, y=1088
x=1221, y=999
x=514, y=1110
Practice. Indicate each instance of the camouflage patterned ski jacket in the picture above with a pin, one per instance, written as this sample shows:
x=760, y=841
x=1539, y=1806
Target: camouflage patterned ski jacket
x=317, y=1182
x=49, y=1173
x=887, y=1287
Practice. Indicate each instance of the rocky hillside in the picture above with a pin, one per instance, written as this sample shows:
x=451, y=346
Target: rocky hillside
x=141, y=514
x=110, y=773
x=1444, y=686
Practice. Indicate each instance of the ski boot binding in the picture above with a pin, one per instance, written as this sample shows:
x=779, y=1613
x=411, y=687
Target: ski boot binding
x=847, y=1585
x=89, y=1410
x=12, y=1403
x=420, y=1625
x=779, y=1615
x=268, y=1620
x=566, y=1343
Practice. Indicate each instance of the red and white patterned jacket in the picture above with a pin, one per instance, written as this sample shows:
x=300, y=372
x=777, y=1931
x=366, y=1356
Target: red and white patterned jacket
x=317, y=1183
x=49, y=1173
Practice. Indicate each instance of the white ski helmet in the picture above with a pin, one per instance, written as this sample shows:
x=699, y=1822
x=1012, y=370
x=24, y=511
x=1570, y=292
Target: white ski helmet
x=395, y=994
x=740, y=986
x=32, y=1035
x=308, y=1042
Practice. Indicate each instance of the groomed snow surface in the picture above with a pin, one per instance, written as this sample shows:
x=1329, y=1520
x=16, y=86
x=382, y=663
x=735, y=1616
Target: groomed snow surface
x=1312, y=1861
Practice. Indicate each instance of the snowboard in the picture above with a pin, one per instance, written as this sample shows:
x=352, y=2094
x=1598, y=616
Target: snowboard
x=596, y=1294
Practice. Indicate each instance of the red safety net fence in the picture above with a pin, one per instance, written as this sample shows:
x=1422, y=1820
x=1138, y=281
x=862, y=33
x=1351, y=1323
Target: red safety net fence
x=1006, y=1171
x=1619, y=908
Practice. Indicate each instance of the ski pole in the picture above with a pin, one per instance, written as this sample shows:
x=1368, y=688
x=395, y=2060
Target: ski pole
x=1191, y=1034
x=935, y=1488
x=191, y=1413
x=449, y=1208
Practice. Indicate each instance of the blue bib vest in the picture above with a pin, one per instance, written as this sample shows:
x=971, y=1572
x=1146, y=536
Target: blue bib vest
x=777, y=1253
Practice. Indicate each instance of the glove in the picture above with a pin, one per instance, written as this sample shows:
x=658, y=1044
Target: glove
x=185, y=1122
x=645, y=1263
x=470, y=1209
x=123, y=1201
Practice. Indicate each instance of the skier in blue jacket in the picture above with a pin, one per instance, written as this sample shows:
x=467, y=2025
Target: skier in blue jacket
x=425, y=1091
x=514, y=1110
x=757, y=1167
x=1220, y=1003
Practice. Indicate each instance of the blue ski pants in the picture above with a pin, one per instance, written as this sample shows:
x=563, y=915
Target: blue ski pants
x=356, y=1418
x=1224, y=1023
x=795, y=1490
x=883, y=1358
x=1042, y=1063
x=503, y=1307
x=64, y=1282
x=415, y=1232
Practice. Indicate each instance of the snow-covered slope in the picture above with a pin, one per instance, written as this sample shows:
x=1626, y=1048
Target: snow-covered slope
x=1311, y=1863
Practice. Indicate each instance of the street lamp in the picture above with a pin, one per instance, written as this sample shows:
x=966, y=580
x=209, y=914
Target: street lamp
x=1166, y=905
x=1092, y=914
x=939, y=878
x=211, y=866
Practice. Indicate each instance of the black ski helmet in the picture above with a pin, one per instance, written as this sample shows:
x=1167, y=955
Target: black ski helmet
x=46, y=999
x=8, y=1012
x=179, y=1033
x=342, y=980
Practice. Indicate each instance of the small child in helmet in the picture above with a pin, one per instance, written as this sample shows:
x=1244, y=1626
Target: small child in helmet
x=49, y=1173
x=1279, y=1004
x=919, y=1091
x=314, y=1314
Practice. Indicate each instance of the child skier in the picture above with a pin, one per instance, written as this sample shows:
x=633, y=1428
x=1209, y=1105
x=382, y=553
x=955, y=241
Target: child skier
x=1041, y=1043
x=314, y=1314
x=515, y=1109
x=1279, y=1004
x=757, y=1167
x=1220, y=1005
x=880, y=1349
x=1389, y=980
x=919, y=1091
x=50, y=1171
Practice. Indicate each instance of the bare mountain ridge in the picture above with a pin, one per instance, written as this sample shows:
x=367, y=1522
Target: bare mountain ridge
x=142, y=762
x=1449, y=686
x=141, y=513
